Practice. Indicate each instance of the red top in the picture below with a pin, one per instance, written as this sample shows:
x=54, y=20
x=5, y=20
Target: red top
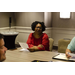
x=32, y=41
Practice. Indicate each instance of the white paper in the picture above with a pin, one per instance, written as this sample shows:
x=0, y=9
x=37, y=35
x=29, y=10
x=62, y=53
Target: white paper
x=72, y=54
x=24, y=46
x=61, y=56
x=24, y=50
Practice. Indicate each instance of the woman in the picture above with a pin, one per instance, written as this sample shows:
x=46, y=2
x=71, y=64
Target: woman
x=38, y=40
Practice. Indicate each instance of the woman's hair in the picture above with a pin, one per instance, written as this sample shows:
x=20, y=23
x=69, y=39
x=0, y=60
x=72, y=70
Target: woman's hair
x=35, y=23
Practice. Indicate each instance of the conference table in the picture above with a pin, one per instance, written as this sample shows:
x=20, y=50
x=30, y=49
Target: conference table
x=26, y=56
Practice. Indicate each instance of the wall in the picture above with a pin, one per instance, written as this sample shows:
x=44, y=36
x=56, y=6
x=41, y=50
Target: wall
x=26, y=18
x=22, y=22
x=63, y=23
x=62, y=28
x=4, y=19
x=48, y=19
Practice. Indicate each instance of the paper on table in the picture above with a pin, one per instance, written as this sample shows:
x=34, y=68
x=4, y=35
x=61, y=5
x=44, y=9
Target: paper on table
x=72, y=56
x=61, y=56
x=24, y=50
x=24, y=46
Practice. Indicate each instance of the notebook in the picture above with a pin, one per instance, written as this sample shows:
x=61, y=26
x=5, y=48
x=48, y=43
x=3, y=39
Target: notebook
x=62, y=56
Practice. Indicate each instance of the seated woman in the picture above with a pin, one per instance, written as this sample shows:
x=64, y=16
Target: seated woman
x=38, y=40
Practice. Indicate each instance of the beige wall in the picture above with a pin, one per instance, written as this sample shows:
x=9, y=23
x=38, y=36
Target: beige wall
x=26, y=18
x=4, y=19
x=48, y=19
x=63, y=23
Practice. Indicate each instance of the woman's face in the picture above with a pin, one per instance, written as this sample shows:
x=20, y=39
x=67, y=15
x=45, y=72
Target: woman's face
x=38, y=28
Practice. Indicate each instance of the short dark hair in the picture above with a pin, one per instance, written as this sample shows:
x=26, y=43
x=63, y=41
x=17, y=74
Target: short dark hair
x=35, y=23
x=1, y=36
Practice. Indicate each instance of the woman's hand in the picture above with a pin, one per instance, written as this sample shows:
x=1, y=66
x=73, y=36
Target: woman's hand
x=67, y=51
x=40, y=45
x=35, y=48
x=32, y=49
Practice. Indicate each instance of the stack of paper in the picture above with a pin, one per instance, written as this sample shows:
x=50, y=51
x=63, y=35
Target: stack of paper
x=24, y=46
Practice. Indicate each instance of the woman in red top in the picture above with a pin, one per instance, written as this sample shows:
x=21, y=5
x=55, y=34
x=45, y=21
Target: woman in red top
x=38, y=40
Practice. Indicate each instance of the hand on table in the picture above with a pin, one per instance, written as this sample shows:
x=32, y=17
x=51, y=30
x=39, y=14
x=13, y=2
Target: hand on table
x=32, y=49
x=40, y=45
x=68, y=51
x=35, y=48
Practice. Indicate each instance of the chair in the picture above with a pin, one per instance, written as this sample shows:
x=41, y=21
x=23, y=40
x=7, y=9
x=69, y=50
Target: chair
x=62, y=45
x=51, y=41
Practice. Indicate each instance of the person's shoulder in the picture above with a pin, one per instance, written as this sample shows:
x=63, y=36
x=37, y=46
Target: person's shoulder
x=45, y=35
x=30, y=34
x=73, y=38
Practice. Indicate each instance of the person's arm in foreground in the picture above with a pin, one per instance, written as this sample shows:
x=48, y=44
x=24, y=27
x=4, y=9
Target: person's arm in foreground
x=68, y=51
x=70, y=48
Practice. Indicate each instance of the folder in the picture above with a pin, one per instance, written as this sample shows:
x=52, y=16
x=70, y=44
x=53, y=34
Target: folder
x=62, y=56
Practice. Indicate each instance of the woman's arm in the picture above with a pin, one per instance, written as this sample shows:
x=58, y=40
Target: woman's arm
x=29, y=41
x=45, y=43
x=35, y=48
x=31, y=46
x=43, y=46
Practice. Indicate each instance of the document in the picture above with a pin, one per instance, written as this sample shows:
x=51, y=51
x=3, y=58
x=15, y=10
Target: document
x=24, y=46
x=72, y=56
x=62, y=56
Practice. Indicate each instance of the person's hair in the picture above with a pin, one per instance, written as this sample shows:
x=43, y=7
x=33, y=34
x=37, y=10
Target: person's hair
x=1, y=36
x=37, y=22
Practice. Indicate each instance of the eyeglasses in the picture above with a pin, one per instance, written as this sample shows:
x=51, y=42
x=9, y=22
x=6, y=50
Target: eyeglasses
x=38, y=27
